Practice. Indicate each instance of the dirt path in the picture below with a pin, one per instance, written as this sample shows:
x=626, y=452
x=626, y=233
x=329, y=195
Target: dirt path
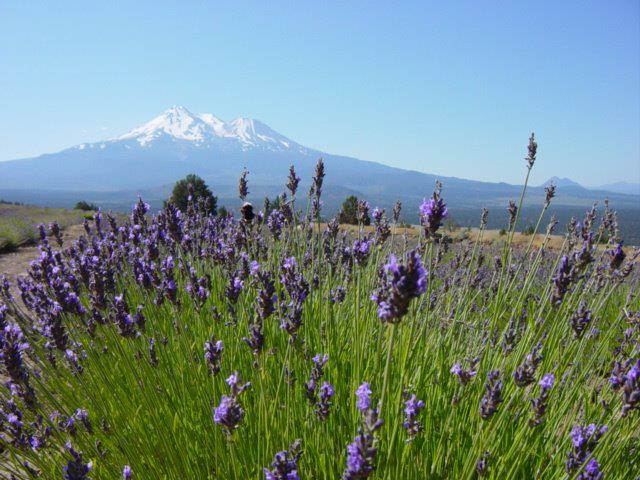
x=15, y=264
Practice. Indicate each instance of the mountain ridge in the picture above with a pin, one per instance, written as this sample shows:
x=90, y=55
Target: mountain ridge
x=178, y=142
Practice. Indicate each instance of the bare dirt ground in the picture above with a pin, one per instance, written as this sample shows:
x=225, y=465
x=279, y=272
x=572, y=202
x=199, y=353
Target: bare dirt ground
x=15, y=264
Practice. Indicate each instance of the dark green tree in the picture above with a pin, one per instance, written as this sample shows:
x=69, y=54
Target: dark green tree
x=349, y=211
x=180, y=193
x=85, y=206
x=223, y=212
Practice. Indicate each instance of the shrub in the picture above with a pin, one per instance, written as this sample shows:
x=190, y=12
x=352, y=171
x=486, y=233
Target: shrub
x=180, y=194
x=85, y=206
x=349, y=212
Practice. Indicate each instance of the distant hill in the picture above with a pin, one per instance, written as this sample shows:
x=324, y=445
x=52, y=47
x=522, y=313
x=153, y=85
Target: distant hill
x=628, y=188
x=561, y=182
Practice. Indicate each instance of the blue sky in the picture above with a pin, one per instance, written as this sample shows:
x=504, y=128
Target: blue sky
x=452, y=88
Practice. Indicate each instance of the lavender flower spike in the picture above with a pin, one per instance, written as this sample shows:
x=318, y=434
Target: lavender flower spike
x=364, y=397
x=229, y=412
x=76, y=469
x=412, y=409
x=285, y=464
x=399, y=285
x=361, y=452
x=432, y=212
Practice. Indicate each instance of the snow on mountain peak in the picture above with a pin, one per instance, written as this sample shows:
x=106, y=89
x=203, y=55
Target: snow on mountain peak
x=180, y=124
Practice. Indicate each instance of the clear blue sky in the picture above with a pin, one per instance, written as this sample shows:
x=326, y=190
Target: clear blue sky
x=452, y=88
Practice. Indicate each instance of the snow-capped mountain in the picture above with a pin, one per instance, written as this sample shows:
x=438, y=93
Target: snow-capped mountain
x=150, y=158
x=203, y=130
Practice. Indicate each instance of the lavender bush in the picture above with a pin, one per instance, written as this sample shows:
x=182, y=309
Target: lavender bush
x=184, y=345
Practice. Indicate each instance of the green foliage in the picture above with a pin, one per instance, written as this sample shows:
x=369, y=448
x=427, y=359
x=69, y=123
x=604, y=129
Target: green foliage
x=223, y=212
x=120, y=384
x=530, y=230
x=502, y=232
x=180, y=194
x=8, y=202
x=349, y=212
x=85, y=206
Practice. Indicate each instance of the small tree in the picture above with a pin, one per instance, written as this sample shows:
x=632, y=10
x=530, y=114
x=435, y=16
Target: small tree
x=180, y=193
x=349, y=211
x=85, y=206
x=223, y=212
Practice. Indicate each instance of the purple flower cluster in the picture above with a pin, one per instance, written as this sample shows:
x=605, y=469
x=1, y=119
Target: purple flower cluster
x=525, y=373
x=563, y=278
x=629, y=383
x=285, y=464
x=580, y=320
x=317, y=372
x=361, y=452
x=12, y=347
x=297, y=289
x=213, y=355
x=412, y=408
x=275, y=223
x=228, y=414
x=381, y=225
x=493, y=395
x=583, y=440
x=399, y=285
x=465, y=376
x=323, y=406
x=539, y=404
x=432, y=212
x=76, y=469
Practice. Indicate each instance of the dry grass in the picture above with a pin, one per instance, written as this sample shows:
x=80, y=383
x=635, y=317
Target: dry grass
x=18, y=223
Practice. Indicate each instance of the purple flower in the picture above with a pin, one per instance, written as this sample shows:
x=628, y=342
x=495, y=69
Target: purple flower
x=525, y=373
x=539, y=403
x=275, y=223
x=562, y=280
x=319, y=361
x=361, y=452
x=229, y=412
x=12, y=347
x=213, y=355
x=363, y=393
x=76, y=469
x=616, y=257
x=324, y=400
x=493, y=395
x=547, y=381
x=629, y=383
x=580, y=320
x=233, y=289
x=292, y=181
x=584, y=440
x=465, y=376
x=285, y=464
x=255, y=340
x=412, y=408
x=399, y=285
x=432, y=212
x=127, y=473
x=381, y=224
x=591, y=471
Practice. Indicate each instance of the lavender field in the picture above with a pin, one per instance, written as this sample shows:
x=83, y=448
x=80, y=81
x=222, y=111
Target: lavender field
x=191, y=346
